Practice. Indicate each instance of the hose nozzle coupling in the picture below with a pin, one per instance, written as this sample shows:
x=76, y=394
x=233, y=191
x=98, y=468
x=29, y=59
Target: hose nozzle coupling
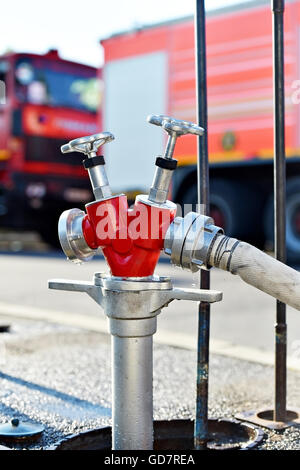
x=194, y=242
x=189, y=241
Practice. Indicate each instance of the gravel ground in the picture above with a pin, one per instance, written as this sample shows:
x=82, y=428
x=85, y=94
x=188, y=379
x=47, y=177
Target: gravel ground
x=61, y=377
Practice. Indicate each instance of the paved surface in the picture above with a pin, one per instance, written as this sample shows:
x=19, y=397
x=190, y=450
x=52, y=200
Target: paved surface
x=60, y=377
x=245, y=317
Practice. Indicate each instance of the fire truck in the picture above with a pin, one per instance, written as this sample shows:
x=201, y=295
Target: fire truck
x=47, y=102
x=152, y=70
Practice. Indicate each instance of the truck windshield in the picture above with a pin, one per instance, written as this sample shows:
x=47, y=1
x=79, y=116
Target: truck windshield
x=49, y=83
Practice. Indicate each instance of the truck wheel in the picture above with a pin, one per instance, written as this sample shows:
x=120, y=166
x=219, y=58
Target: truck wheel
x=292, y=220
x=235, y=207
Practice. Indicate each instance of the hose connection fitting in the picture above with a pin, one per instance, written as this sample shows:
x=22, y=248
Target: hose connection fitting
x=189, y=241
x=194, y=242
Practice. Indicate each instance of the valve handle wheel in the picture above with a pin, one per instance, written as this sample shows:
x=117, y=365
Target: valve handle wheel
x=158, y=119
x=172, y=125
x=182, y=127
x=89, y=144
x=175, y=128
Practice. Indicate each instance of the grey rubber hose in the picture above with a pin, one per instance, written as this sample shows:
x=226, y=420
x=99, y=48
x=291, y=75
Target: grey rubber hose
x=257, y=269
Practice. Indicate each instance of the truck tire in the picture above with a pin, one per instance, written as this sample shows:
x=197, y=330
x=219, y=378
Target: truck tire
x=49, y=232
x=235, y=207
x=292, y=220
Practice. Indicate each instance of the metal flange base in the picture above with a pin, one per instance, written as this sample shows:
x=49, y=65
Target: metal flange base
x=104, y=287
x=264, y=418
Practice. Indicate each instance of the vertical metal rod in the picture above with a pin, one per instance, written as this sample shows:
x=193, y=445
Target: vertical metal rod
x=279, y=203
x=201, y=420
x=132, y=402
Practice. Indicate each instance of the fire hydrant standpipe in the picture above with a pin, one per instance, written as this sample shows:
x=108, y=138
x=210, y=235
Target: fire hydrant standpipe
x=131, y=296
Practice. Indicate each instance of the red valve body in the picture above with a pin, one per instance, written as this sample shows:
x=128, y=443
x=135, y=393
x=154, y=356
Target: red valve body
x=131, y=239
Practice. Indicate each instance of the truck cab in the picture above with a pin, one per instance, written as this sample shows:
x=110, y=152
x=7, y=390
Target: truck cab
x=47, y=102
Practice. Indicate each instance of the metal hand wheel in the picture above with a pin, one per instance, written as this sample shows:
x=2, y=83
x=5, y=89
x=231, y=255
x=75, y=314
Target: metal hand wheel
x=182, y=127
x=89, y=144
x=171, y=124
x=158, y=119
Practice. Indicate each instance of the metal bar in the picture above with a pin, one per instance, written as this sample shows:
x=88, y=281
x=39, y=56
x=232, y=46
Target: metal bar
x=201, y=419
x=132, y=403
x=279, y=203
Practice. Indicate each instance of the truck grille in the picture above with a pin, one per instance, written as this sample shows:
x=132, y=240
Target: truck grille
x=44, y=149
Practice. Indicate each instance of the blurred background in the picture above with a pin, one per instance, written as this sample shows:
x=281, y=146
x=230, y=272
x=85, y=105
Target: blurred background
x=76, y=69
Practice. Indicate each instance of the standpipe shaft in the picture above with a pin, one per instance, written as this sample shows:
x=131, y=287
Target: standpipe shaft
x=132, y=376
x=132, y=405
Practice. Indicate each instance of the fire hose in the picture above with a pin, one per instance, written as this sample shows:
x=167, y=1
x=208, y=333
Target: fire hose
x=204, y=245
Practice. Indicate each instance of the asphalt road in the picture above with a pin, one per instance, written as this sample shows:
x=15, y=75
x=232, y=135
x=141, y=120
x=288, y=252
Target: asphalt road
x=245, y=317
x=60, y=377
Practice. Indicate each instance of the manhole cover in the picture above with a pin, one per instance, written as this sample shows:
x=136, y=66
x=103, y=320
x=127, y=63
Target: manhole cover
x=173, y=435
